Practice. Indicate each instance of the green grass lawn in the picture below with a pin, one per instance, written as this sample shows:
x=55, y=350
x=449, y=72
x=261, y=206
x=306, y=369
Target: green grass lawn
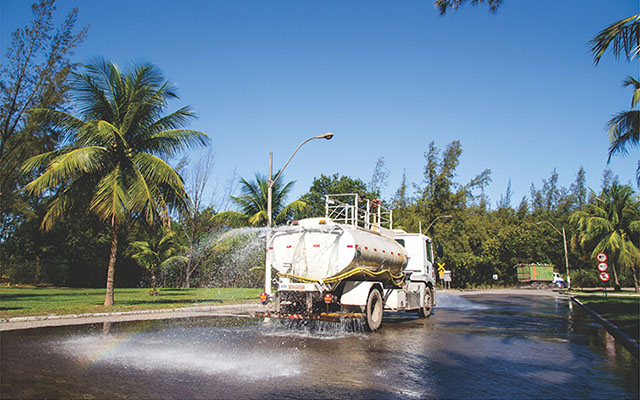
x=19, y=301
x=622, y=311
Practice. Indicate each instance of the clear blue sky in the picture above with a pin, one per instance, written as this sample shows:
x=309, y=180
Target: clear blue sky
x=517, y=88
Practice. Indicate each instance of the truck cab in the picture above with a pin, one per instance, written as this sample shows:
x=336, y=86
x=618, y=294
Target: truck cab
x=420, y=251
x=558, y=280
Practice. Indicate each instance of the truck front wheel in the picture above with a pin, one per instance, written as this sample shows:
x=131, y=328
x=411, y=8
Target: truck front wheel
x=375, y=308
x=425, y=310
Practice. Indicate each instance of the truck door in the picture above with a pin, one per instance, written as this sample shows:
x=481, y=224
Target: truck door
x=415, y=250
x=428, y=267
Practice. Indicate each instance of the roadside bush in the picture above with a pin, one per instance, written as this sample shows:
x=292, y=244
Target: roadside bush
x=584, y=278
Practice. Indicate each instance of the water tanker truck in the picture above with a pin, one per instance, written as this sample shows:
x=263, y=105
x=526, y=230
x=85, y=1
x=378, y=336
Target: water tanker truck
x=350, y=264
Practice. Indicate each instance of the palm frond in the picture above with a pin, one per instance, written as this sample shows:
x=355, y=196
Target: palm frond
x=621, y=37
x=635, y=84
x=71, y=196
x=231, y=218
x=172, y=141
x=156, y=171
x=110, y=202
x=175, y=120
x=253, y=198
x=249, y=205
x=143, y=253
x=444, y=5
x=297, y=205
x=144, y=198
x=624, y=132
x=142, y=107
x=107, y=133
x=66, y=165
x=142, y=246
x=56, y=210
x=260, y=218
x=174, y=260
x=41, y=160
x=66, y=123
x=91, y=97
x=167, y=239
x=157, y=186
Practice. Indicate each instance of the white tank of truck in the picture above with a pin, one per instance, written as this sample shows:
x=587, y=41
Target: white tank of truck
x=321, y=249
x=350, y=263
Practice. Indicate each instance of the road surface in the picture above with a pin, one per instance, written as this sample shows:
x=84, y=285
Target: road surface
x=513, y=344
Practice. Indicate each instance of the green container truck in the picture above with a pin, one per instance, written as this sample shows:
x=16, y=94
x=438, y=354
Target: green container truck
x=539, y=275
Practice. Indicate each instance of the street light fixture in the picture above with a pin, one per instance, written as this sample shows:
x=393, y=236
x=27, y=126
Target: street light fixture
x=566, y=254
x=267, y=267
x=432, y=222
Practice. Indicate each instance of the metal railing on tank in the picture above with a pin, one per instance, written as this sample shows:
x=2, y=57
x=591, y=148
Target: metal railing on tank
x=352, y=209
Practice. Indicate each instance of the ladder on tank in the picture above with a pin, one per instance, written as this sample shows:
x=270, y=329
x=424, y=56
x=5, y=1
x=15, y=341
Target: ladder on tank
x=352, y=209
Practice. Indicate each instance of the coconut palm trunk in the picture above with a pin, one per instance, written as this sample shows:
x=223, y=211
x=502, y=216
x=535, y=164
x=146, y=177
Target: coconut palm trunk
x=616, y=281
x=187, y=279
x=154, y=288
x=111, y=269
x=634, y=270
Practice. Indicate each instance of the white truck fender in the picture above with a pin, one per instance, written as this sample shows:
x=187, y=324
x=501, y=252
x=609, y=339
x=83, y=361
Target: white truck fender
x=355, y=293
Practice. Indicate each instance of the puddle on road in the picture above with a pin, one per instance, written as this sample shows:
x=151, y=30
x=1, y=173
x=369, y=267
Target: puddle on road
x=452, y=301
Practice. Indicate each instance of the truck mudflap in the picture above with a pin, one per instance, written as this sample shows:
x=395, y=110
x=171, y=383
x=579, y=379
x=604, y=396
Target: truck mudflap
x=331, y=317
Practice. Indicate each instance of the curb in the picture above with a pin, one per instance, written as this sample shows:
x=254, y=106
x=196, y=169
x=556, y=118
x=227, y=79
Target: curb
x=627, y=342
x=227, y=307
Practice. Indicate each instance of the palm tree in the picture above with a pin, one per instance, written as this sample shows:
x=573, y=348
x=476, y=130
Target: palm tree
x=159, y=251
x=610, y=225
x=114, y=150
x=624, y=127
x=253, y=203
x=623, y=36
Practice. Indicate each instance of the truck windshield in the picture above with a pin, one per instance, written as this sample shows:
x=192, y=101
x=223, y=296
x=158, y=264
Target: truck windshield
x=401, y=241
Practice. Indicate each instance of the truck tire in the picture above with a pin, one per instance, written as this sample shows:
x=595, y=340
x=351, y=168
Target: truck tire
x=374, y=310
x=425, y=311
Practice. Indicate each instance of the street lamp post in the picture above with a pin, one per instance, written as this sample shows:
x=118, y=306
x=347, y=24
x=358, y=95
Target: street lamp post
x=566, y=254
x=267, y=267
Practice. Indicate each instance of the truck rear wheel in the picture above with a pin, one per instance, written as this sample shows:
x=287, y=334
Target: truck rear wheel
x=425, y=311
x=375, y=308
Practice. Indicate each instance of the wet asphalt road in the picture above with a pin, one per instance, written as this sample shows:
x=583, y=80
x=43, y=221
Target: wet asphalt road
x=481, y=346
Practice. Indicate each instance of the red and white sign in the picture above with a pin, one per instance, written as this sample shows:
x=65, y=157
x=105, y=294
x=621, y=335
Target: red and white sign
x=602, y=257
x=604, y=277
x=602, y=267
